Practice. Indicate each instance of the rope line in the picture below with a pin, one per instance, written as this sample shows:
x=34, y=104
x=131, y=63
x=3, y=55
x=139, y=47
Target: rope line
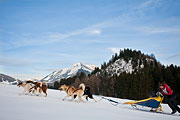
x=113, y=102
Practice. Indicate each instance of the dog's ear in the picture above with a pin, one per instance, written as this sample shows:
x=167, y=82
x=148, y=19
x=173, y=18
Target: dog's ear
x=18, y=81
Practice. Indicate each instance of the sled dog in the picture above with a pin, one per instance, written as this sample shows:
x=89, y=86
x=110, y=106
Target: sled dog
x=36, y=87
x=73, y=92
x=28, y=87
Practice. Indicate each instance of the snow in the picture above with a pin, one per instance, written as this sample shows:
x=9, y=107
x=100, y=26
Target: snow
x=120, y=66
x=7, y=82
x=149, y=60
x=141, y=66
x=27, y=107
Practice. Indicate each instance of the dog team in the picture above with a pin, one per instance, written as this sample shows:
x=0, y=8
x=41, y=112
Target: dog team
x=73, y=92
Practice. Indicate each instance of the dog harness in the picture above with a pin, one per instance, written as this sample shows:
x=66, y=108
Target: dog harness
x=76, y=90
x=67, y=89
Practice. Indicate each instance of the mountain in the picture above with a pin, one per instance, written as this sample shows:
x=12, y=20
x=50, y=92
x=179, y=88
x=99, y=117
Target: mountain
x=69, y=72
x=7, y=79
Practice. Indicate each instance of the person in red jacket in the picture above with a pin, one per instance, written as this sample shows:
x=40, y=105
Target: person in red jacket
x=171, y=97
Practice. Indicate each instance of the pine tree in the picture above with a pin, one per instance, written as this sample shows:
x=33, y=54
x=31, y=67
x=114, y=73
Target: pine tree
x=56, y=85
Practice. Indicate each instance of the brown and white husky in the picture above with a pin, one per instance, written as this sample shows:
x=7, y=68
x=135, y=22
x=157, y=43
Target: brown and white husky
x=72, y=91
x=34, y=87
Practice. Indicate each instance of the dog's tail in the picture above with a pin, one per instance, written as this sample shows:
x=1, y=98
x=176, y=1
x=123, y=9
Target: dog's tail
x=82, y=86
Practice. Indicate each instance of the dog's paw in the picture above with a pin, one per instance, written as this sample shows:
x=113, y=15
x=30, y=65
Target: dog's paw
x=84, y=101
x=76, y=101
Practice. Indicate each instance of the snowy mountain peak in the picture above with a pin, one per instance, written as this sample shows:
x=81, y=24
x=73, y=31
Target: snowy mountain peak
x=69, y=72
x=78, y=64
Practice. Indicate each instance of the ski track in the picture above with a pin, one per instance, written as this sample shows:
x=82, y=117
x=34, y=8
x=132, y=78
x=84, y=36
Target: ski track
x=14, y=106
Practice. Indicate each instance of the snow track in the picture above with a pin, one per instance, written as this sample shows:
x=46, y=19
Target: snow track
x=14, y=106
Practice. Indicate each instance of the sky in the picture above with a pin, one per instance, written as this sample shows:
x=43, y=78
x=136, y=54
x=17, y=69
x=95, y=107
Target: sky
x=40, y=36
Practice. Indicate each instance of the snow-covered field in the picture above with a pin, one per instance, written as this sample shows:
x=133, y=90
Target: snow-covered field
x=14, y=106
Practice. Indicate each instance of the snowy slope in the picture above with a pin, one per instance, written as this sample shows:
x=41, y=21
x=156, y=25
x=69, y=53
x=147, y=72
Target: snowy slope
x=26, y=107
x=68, y=72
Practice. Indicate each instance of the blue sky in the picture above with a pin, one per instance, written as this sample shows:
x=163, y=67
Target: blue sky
x=40, y=36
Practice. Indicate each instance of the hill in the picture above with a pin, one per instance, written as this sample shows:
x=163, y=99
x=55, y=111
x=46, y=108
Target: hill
x=7, y=79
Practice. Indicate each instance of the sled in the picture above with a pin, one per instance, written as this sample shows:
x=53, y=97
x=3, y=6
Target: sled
x=153, y=102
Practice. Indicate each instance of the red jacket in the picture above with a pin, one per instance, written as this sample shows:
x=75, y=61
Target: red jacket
x=166, y=90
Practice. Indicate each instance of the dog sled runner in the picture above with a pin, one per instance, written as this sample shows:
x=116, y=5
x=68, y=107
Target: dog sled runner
x=153, y=103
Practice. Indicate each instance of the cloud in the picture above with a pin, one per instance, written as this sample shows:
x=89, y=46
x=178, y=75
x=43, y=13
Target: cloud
x=98, y=41
x=57, y=35
x=62, y=37
x=124, y=21
x=157, y=30
x=121, y=21
x=37, y=70
x=28, y=76
x=114, y=50
x=63, y=54
x=13, y=62
x=95, y=32
x=174, y=56
x=147, y=4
